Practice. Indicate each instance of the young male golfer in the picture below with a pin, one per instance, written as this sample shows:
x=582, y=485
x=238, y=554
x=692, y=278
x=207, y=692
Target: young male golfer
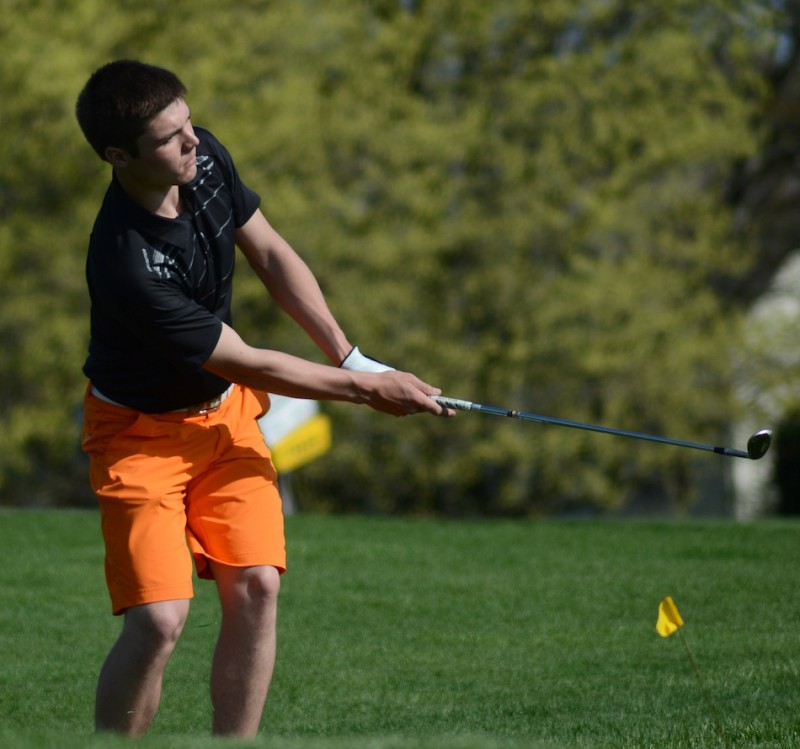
x=170, y=412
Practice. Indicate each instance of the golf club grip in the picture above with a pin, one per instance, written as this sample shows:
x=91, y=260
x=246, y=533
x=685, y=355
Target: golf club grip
x=455, y=403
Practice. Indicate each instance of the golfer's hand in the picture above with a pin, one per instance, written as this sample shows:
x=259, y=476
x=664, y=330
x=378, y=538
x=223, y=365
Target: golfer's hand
x=399, y=396
x=402, y=394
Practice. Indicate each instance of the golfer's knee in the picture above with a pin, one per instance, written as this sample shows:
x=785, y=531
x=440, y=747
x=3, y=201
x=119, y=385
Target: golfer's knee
x=156, y=627
x=256, y=596
x=262, y=586
x=248, y=592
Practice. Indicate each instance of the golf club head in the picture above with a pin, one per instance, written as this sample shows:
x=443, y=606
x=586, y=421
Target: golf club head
x=758, y=444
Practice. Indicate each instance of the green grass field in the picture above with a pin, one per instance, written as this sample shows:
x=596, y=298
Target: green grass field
x=423, y=634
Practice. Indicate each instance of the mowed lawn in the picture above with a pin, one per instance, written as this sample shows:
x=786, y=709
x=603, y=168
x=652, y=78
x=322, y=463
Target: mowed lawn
x=423, y=634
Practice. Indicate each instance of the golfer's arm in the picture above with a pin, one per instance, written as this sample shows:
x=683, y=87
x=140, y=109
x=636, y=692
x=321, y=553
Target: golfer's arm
x=292, y=285
x=396, y=393
x=281, y=373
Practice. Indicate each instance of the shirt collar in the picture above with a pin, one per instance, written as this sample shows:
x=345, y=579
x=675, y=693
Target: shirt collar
x=175, y=231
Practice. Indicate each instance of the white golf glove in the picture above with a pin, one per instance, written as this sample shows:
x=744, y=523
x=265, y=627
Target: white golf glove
x=355, y=361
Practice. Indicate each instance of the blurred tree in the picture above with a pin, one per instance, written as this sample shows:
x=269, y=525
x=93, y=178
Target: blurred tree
x=522, y=202
x=765, y=188
x=552, y=176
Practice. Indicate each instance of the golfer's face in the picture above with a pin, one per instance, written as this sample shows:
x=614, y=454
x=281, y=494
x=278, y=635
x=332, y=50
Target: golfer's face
x=167, y=148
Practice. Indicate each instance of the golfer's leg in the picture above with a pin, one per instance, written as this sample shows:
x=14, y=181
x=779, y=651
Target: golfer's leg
x=129, y=687
x=245, y=653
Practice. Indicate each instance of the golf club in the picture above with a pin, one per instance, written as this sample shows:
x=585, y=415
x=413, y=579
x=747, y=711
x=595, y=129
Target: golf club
x=757, y=445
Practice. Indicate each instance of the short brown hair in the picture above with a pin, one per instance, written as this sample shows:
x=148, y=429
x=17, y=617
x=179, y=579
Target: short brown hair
x=120, y=99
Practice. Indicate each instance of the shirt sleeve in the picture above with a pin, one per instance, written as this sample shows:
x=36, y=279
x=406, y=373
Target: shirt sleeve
x=245, y=200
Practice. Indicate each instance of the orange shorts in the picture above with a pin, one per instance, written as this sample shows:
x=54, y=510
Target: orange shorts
x=164, y=479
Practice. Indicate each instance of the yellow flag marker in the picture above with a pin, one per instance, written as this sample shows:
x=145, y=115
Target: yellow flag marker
x=669, y=618
x=669, y=622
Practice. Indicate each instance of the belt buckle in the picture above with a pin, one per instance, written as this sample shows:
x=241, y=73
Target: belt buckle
x=207, y=408
x=210, y=405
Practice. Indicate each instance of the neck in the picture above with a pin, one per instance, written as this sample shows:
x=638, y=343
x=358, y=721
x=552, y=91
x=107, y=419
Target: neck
x=163, y=201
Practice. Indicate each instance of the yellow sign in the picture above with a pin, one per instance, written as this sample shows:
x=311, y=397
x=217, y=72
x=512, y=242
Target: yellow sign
x=302, y=445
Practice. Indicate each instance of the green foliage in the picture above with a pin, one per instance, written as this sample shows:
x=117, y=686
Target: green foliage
x=521, y=202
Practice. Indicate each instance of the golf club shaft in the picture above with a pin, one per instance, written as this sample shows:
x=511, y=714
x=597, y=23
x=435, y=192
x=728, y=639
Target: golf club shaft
x=462, y=405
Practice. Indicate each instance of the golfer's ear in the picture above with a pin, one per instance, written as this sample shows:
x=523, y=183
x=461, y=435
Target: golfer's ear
x=116, y=156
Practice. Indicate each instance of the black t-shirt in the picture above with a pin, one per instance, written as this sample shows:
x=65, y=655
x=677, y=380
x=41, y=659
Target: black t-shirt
x=161, y=288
